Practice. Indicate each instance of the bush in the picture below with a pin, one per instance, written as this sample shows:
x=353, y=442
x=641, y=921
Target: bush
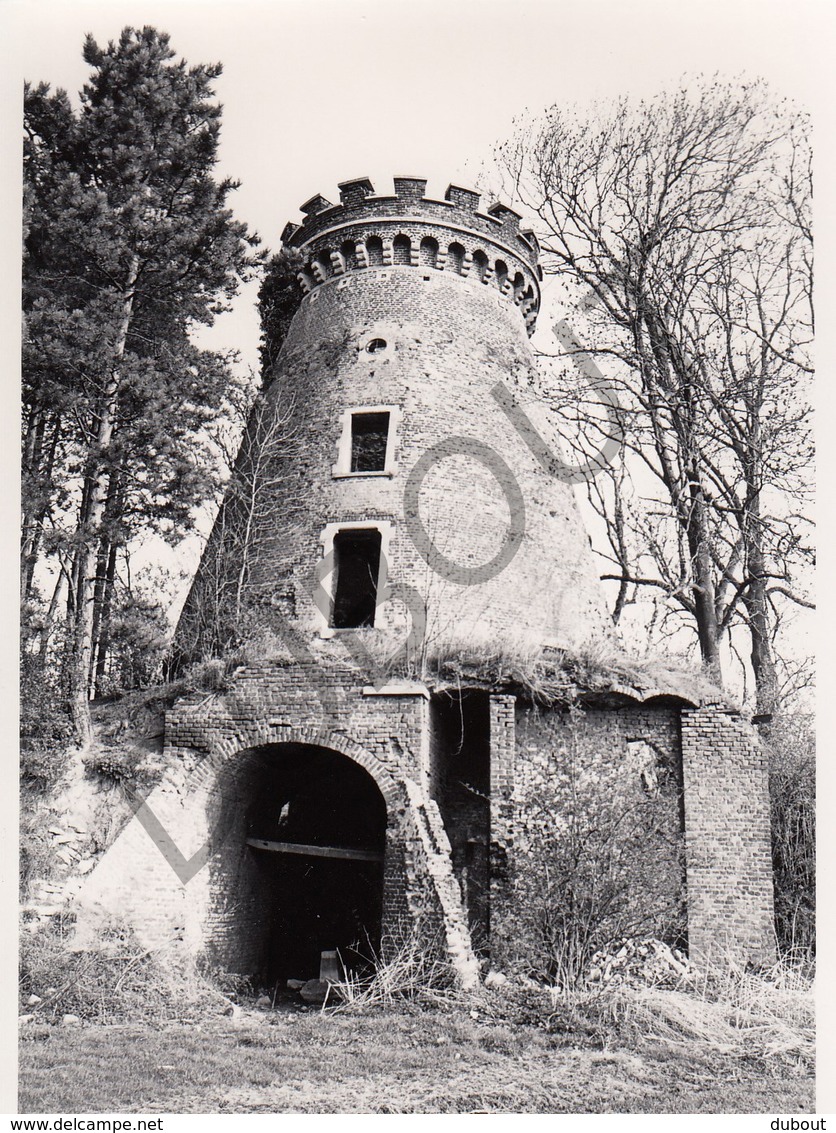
x=792, y=785
x=600, y=858
x=116, y=981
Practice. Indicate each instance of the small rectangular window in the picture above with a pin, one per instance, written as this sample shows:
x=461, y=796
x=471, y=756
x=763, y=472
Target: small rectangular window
x=357, y=565
x=369, y=438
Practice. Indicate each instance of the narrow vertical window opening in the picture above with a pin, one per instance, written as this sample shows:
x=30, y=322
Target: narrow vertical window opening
x=369, y=440
x=357, y=566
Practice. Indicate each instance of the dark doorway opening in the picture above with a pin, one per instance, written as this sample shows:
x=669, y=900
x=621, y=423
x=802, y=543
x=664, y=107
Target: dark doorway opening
x=314, y=831
x=461, y=785
x=357, y=566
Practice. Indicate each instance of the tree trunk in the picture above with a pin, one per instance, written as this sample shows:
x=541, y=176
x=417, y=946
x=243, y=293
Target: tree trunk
x=36, y=506
x=49, y=620
x=667, y=376
x=705, y=606
x=105, y=577
x=103, y=642
x=31, y=460
x=758, y=614
x=96, y=482
x=98, y=594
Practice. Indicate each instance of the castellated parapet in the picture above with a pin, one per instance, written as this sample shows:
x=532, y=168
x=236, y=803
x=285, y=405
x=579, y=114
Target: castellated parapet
x=367, y=230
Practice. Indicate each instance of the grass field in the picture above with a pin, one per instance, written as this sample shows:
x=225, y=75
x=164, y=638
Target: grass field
x=309, y=1062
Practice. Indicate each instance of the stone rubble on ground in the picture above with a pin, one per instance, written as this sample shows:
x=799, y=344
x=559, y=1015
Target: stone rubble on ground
x=638, y=962
x=51, y=897
x=315, y=991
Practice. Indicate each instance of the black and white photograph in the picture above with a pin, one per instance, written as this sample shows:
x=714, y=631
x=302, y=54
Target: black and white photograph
x=417, y=607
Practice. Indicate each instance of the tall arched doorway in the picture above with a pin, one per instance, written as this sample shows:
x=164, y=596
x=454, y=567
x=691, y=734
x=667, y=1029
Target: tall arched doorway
x=302, y=868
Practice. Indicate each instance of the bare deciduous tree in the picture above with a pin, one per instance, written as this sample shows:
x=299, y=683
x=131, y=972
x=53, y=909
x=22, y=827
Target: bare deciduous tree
x=684, y=221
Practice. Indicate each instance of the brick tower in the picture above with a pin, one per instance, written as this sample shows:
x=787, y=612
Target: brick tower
x=408, y=473
x=397, y=536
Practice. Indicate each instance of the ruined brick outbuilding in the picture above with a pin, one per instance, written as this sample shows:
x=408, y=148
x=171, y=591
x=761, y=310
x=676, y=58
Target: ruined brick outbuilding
x=413, y=507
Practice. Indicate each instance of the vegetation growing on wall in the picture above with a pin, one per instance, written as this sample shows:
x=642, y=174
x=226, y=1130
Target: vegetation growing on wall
x=598, y=856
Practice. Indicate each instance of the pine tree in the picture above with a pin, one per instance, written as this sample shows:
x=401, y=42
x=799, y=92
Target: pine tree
x=129, y=248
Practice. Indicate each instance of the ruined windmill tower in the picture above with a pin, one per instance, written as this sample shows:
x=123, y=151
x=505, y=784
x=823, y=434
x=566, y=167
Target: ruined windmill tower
x=398, y=523
x=399, y=471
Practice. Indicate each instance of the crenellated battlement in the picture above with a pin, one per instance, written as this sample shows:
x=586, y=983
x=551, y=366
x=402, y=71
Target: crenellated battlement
x=366, y=230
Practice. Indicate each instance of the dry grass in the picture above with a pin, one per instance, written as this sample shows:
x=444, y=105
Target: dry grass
x=314, y=1062
x=115, y=982
x=411, y=974
x=546, y=676
x=556, y=677
x=767, y=1015
x=406, y=1041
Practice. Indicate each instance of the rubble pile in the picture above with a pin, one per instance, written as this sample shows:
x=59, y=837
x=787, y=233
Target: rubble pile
x=51, y=896
x=639, y=963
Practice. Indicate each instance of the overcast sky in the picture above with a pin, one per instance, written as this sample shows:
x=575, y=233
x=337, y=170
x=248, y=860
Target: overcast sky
x=320, y=91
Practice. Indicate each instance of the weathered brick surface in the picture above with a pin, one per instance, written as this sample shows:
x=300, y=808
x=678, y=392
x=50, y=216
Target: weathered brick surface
x=450, y=342
x=564, y=778
x=730, y=894
x=716, y=766
x=503, y=783
x=219, y=911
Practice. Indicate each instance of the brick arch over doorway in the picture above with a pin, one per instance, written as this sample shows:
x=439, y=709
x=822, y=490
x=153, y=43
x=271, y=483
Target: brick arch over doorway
x=301, y=864
x=245, y=735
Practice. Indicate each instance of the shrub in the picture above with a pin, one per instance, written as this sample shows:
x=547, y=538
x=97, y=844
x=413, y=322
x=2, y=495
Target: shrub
x=600, y=858
x=115, y=981
x=792, y=784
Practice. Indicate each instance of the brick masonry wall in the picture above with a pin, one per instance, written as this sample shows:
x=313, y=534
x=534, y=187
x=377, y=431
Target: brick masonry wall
x=324, y=224
x=727, y=834
x=449, y=344
x=206, y=735
x=602, y=782
x=213, y=898
x=503, y=780
x=711, y=786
